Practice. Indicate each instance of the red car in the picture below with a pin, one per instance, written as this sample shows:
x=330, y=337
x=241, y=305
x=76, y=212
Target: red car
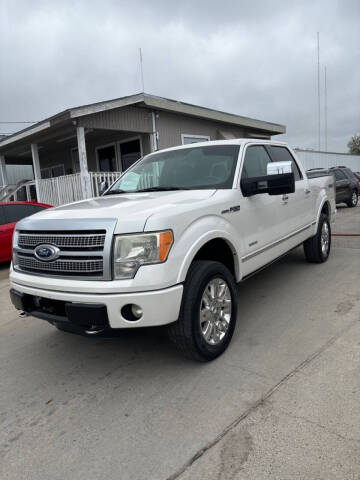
x=10, y=213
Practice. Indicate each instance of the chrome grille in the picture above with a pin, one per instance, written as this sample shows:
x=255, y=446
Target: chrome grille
x=67, y=240
x=62, y=266
x=84, y=253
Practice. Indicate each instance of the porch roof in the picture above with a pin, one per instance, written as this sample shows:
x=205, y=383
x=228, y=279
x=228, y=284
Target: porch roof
x=143, y=100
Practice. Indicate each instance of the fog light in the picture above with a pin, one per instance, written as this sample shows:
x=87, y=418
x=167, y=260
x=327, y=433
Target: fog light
x=131, y=312
x=136, y=311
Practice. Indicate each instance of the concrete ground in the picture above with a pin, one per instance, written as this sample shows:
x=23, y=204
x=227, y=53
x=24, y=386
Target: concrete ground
x=281, y=403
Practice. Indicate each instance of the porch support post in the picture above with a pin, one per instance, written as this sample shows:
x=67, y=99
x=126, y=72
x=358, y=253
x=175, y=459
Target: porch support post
x=4, y=177
x=154, y=135
x=84, y=172
x=36, y=167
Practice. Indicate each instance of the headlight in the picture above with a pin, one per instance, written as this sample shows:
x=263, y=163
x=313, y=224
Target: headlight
x=132, y=251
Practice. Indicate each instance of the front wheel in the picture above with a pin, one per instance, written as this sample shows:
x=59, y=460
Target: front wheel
x=208, y=312
x=353, y=200
x=317, y=248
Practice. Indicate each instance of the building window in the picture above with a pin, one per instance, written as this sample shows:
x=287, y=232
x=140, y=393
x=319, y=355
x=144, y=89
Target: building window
x=130, y=152
x=55, y=171
x=107, y=158
x=187, y=138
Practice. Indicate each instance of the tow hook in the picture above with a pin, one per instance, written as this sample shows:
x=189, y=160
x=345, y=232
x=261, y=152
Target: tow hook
x=93, y=330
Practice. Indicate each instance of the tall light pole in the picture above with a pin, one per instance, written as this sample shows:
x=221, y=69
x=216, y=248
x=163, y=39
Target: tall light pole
x=325, y=110
x=318, y=81
x=141, y=70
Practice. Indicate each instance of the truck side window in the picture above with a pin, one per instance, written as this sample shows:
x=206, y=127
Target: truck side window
x=255, y=162
x=282, y=154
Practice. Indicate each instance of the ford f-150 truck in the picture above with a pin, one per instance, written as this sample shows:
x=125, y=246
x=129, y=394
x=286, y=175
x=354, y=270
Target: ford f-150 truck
x=168, y=241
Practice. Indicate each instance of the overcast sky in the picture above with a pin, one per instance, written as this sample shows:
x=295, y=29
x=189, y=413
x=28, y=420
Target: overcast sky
x=253, y=58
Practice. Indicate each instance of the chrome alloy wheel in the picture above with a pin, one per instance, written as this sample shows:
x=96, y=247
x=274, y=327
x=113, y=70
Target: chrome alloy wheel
x=354, y=198
x=215, y=311
x=325, y=238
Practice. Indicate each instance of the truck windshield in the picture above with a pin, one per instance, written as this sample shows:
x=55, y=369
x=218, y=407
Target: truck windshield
x=192, y=168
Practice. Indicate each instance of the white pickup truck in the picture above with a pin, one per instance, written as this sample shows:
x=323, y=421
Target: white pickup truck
x=168, y=241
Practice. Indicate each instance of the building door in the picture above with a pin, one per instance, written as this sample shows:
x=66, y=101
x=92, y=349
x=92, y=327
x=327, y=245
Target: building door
x=130, y=152
x=107, y=159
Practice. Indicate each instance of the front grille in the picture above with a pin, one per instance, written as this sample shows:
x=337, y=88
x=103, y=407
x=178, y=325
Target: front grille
x=63, y=239
x=83, y=253
x=62, y=266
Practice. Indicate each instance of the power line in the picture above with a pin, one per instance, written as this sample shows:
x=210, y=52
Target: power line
x=8, y=123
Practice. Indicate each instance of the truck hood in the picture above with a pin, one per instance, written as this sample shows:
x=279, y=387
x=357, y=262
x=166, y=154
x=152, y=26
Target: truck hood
x=131, y=210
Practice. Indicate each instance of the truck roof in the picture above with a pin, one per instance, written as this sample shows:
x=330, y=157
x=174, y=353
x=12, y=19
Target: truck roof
x=232, y=141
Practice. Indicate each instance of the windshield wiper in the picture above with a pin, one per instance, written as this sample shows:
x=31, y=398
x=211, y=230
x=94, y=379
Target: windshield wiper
x=115, y=192
x=161, y=189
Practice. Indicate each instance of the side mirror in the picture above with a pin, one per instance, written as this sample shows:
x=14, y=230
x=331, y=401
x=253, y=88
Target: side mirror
x=102, y=187
x=278, y=168
x=279, y=180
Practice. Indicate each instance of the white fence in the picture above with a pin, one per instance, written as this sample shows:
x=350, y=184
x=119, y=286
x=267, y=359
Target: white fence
x=96, y=178
x=314, y=159
x=66, y=189
x=60, y=190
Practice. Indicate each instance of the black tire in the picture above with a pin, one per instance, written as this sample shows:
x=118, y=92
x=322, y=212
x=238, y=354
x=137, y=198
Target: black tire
x=353, y=200
x=186, y=333
x=313, y=246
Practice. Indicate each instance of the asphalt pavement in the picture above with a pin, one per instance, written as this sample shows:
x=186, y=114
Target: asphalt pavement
x=281, y=403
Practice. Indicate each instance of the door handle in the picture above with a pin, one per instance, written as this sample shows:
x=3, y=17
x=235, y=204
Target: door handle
x=285, y=199
x=307, y=191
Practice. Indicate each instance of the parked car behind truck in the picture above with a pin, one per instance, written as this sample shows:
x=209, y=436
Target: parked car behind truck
x=169, y=240
x=347, y=186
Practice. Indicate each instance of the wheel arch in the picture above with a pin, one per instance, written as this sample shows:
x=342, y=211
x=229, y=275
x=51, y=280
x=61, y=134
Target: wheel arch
x=216, y=248
x=325, y=208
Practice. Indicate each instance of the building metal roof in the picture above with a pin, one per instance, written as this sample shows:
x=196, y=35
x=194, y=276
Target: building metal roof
x=152, y=102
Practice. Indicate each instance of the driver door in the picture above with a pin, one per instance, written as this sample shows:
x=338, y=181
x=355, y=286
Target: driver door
x=260, y=214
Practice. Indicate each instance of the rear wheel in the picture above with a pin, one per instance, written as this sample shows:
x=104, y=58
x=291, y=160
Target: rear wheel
x=317, y=248
x=208, y=312
x=353, y=200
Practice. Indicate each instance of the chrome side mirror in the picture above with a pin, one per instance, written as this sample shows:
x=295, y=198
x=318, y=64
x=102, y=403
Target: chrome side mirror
x=278, y=181
x=279, y=168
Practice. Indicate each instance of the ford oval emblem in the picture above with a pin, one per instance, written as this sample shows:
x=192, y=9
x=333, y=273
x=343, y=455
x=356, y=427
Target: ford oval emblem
x=46, y=252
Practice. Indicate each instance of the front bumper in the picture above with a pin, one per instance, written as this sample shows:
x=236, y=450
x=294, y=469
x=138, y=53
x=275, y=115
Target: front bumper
x=159, y=307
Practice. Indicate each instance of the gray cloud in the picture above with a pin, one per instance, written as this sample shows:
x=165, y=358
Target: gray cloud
x=252, y=58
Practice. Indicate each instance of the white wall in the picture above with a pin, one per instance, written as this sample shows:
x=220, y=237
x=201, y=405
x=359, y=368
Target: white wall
x=313, y=159
x=15, y=173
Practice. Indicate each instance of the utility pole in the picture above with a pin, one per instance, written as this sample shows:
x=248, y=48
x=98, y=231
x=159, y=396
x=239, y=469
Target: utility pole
x=141, y=70
x=325, y=113
x=318, y=81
